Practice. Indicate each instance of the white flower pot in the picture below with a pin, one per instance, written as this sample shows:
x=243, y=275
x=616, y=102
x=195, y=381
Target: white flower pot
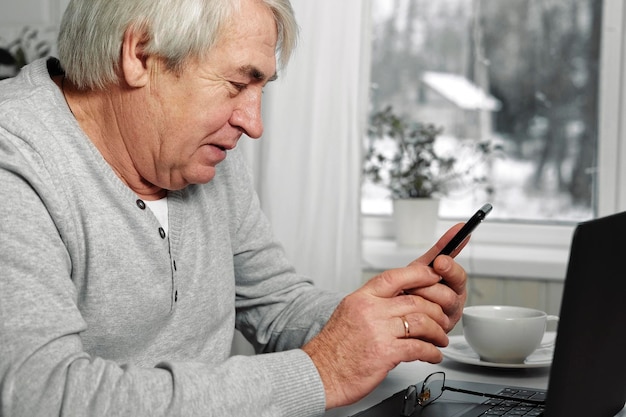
x=415, y=221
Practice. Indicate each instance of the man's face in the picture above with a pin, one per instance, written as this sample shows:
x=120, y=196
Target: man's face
x=194, y=118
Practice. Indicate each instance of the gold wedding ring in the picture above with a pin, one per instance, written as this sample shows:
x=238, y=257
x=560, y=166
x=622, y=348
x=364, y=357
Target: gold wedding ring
x=407, y=332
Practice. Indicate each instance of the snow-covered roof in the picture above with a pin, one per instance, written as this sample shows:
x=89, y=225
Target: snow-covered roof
x=461, y=91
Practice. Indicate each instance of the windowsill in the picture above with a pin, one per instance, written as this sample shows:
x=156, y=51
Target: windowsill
x=503, y=250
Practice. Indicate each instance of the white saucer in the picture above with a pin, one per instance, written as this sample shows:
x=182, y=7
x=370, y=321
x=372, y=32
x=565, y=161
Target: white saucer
x=458, y=350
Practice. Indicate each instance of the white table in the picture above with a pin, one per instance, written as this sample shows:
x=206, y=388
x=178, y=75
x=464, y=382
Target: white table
x=410, y=373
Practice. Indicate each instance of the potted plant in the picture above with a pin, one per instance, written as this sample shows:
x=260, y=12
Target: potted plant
x=402, y=156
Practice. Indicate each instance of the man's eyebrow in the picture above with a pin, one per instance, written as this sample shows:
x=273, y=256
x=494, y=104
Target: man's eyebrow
x=256, y=74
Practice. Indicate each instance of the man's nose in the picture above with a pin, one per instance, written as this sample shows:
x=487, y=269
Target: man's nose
x=247, y=115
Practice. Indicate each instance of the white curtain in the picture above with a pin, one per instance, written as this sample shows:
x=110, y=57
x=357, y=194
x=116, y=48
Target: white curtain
x=307, y=164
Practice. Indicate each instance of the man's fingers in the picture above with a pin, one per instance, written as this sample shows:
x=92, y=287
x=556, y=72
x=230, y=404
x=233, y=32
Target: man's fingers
x=430, y=255
x=419, y=326
x=395, y=281
x=413, y=350
x=416, y=310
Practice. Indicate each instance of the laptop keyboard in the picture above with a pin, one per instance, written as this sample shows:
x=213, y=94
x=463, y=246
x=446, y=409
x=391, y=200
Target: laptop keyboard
x=515, y=408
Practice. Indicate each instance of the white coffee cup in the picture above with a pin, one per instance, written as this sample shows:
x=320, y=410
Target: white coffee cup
x=505, y=334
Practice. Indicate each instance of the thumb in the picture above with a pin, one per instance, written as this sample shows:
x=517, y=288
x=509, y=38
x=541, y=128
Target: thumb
x=395, y=281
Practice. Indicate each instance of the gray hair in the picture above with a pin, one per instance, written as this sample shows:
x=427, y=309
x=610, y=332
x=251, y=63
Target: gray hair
x=91, y=33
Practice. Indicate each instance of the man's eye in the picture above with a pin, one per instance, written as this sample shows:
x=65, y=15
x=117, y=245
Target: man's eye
x=238, y=86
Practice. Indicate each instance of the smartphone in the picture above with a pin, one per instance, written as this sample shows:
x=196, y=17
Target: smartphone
x=465, y=231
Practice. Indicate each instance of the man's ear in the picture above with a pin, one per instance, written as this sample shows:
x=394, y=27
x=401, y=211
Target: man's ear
x=134, y=61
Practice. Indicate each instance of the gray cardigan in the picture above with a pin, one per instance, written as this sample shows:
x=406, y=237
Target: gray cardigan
x=101, y=315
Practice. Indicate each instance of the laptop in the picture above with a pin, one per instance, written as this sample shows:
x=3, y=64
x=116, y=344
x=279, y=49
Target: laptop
x=588, y=371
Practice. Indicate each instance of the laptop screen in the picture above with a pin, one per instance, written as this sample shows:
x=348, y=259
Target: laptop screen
x=588, y=375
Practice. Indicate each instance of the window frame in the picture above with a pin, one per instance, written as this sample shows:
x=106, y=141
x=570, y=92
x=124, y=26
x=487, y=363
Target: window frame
x=526, y=249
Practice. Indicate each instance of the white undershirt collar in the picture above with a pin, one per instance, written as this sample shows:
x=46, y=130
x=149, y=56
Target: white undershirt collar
x=159, y=209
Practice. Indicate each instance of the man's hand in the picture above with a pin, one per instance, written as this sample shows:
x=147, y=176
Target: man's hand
x=398, y=316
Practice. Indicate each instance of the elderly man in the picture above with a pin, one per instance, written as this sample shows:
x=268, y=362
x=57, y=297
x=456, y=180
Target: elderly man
x=129, y=256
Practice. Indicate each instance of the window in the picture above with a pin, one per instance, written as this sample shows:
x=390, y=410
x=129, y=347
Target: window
x=520, y=73
x=529, y=245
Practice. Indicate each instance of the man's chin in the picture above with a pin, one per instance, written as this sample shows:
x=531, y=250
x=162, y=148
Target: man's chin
x=203, y=176
x=181, y=179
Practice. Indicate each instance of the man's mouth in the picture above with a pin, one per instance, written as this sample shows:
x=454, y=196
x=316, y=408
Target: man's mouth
x=224, y=148
x=219, y=151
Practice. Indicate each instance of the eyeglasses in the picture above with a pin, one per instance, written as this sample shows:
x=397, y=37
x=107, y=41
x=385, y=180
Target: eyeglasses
x=433, y=387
